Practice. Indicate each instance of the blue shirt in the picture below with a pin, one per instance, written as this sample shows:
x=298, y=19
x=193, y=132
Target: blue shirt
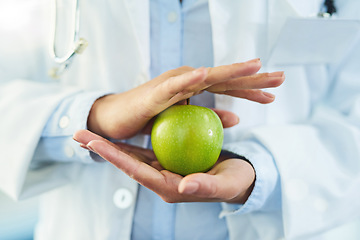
x=180, y=35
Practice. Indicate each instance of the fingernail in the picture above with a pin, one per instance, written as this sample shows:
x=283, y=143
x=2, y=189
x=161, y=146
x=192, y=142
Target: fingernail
x=254, y=60
x=90, y=148
x=190, y=187
x=268, y=95
x=233, y=120
x=237, y=119
x=84, y=146
x=276, y=74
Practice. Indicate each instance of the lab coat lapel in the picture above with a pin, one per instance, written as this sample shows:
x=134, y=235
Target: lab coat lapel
x=239, y=26
x=235, y=28
x=280, y=10
x=140, y=16
x=136, y=14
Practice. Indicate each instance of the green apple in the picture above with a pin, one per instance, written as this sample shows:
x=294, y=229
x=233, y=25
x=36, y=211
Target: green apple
x=187, y=139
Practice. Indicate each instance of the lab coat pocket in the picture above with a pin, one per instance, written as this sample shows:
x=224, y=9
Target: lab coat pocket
x=313, y=41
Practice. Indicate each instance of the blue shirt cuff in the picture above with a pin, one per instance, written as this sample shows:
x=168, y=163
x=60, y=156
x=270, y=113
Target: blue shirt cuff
x=71, y=115
x=266, y=195
x=56, y=143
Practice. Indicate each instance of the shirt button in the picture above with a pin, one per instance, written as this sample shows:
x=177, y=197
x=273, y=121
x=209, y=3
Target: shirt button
x=64, y=122
x=123, y=198
x=172, y=17
x=69, y=151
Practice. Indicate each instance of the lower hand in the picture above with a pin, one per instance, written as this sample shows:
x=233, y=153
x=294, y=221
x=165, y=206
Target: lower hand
x=230, y=180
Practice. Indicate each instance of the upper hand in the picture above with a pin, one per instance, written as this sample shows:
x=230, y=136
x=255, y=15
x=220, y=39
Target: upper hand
x=123, y=115
x=230, y=180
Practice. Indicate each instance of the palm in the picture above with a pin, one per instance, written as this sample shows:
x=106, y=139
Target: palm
x=230, y=180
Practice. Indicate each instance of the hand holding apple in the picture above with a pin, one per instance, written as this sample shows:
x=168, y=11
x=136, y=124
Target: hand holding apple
x=230, y=180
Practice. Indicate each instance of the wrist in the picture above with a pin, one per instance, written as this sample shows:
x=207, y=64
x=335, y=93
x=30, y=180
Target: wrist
x=266, y=188
x=97, y=117
x=249, y=182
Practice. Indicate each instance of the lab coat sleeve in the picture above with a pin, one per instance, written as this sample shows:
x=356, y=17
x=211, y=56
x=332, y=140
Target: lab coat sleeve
x=26, y=107
x=318, y=159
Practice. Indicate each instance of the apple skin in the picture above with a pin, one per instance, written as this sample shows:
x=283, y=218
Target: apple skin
x=187, y=139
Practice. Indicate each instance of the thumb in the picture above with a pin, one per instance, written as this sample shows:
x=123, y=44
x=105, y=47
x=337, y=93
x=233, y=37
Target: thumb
x=207, y=186
x=231, y=180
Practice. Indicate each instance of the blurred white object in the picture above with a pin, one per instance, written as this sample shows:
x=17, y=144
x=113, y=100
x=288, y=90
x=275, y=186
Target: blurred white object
x=349, y=231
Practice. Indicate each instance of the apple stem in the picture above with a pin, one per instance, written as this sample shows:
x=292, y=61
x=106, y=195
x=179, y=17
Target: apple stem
x=188, y=101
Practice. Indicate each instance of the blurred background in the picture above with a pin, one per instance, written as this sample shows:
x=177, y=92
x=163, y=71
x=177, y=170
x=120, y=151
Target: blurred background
x=18, y=219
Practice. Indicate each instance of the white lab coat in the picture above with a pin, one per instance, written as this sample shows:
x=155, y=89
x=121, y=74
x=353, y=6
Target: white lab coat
x=315, y=142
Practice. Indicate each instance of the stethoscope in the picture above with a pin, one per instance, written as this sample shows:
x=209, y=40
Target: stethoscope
x=328, y=9
x=79, y=44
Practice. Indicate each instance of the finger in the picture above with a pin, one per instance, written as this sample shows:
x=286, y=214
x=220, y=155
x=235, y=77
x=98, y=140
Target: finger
x=236, y=70
x=229, y=180
x=85, y=136
x=228, y=119
x=255, y=95
x=179, y=87
x=256, y=81
x=206, y=186
x=137, y=150
x=156, y=165
x=171, y=73
x=138, y=170
x=148, y=127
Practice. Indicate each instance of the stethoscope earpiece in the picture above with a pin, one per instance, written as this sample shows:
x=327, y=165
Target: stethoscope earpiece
x=330, y=7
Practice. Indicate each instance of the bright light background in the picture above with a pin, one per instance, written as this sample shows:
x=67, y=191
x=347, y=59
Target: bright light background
x=16, y=14
x=22, y=24
x=17, y=219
